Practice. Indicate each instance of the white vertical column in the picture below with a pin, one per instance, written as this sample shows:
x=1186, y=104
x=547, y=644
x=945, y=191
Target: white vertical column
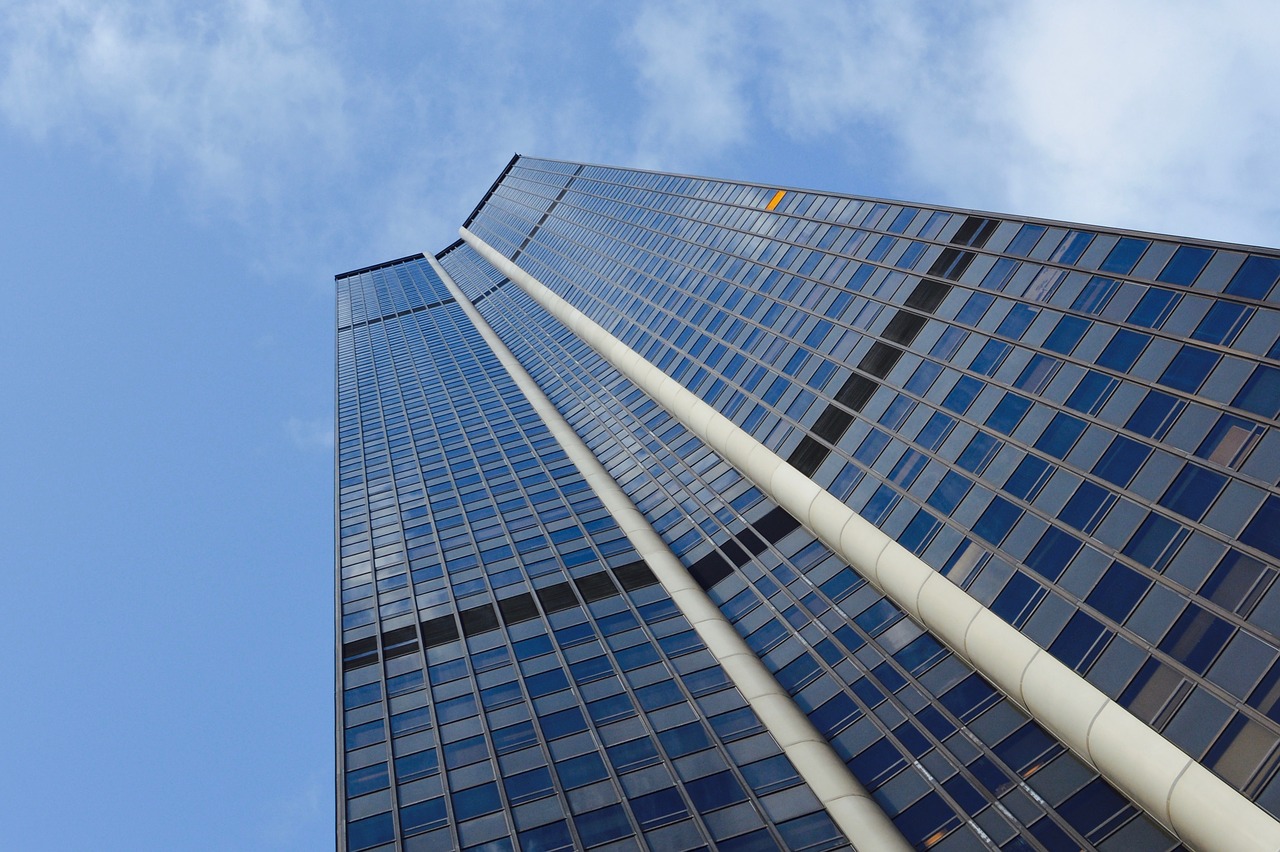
x=1199, y=808
x=851, y=808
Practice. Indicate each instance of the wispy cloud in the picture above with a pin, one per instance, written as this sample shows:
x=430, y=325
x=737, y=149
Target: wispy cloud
x=1151, y=114
x=231, y=97
x=693, y=61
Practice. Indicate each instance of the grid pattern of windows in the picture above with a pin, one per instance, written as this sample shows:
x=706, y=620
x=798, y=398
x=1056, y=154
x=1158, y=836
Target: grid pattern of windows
x=939, y=748
x=1076, y=425
x=511, y=674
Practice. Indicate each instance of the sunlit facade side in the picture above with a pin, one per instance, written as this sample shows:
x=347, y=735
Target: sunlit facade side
x=1075, y=426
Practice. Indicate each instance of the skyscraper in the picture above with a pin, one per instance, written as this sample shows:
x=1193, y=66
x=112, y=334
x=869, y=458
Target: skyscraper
x=681, y=513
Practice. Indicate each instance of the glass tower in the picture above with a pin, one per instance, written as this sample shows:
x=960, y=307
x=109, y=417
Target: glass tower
x=677, y=513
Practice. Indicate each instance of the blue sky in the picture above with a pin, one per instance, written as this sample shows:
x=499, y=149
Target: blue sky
x=183, y=180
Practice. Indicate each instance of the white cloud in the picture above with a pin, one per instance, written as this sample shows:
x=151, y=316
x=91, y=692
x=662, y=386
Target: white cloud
x=1152, y=115
x=231, y=96
x=692, y=61
x=1148, y=112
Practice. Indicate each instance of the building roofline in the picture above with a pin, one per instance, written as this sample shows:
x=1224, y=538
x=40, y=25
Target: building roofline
x=971, y=211
x=475, y=211
x=362, y=270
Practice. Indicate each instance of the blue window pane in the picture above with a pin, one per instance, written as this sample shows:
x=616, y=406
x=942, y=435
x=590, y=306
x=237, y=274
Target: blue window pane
x=1095, y=295
x=1092, y=392
x=1193, y=491
x=684, y=739
x=629, y=755
x=1051, y=554
x=1255, y=277
x=364, y=833
x=919, y=532
x=1222, y=323
x=1028, y=478
x=929, y=816
x=1121, y=460
x=1261, y=393
x=1017, y=599
x=997, y=520
x=876, y=763
x=1123, y=350
x=1185, y=265
x=1189, y=368
x=1053, y=837
x=935, y=431
x=465, y=751
x=546, y=683
x=361, y=695
x=1060, y=435
x=462, y=707
x=1071, y=247
x=1263, y=532
x=1025, y=240
x=476, y=801
x=974, y=308
x=363, y=735
x=1122, y=258
x=1196, y=638
x=878, y=615
x=659, y=695
x=869, y=450
x=949, y=492
x=417, y=765
x=948, y=343
x=1096, y=811
x=514, y=737
x=563, y=723
x=1008, y=413
x=1066, y=334
x=1036, y=375
x=981, y=450
x=1118, y=592
x=715, y=791
x=835, y=715
x=527, y=786
x=423, y=816
x=963, y=394
x=904, y=473
x=367, y=779
x=754, y=841
x=1017, y=321
x=880, y=504
x=736, y=724
x=1080, y=642
x=547, y=838
x=814, y=831
x=969, y=697
x=658, y=808
x=1155, y=414
x=1026, y=747
x=1155, y=542
x=989, y=357
x=1087, y=506
x=601, y=826
x=1154, y=308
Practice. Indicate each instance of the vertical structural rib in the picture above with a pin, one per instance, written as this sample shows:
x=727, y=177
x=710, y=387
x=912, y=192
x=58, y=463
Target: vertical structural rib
x=1189, y=800
x=850, y=806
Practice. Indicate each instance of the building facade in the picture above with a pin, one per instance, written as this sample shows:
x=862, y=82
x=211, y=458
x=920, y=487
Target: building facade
x=679, y=513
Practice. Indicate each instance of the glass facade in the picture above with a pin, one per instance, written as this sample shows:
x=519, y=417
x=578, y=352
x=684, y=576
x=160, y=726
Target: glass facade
x=1075, y=425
